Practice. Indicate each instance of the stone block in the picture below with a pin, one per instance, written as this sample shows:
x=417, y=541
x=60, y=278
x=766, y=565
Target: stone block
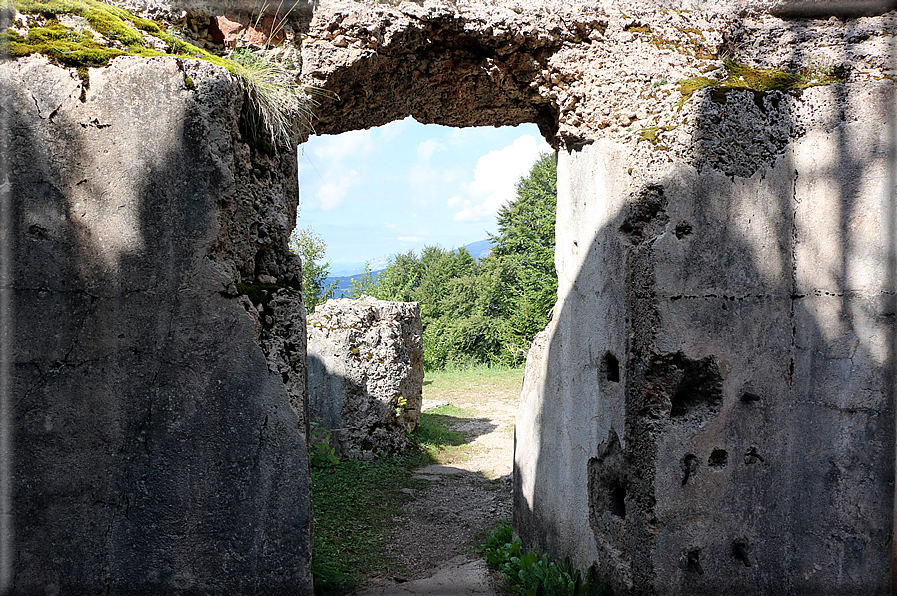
x=365, y=373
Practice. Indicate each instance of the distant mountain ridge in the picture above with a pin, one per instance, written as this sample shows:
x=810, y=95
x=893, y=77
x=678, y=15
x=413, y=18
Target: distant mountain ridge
x=344, y=273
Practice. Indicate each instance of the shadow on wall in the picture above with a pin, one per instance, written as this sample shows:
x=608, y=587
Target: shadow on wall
x=149, y=448
x=720, y=419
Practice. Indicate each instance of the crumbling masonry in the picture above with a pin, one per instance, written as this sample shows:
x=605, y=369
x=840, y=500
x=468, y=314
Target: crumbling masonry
x=711, y=409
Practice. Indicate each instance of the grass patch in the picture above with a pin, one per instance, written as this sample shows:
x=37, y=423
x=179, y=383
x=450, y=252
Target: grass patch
x=354, y=503
x=436, y=436
x=455, y=385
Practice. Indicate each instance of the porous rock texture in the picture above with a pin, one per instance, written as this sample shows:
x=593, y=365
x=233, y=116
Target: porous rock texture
x=365, y=373
x=711, y=408
x=149, y=447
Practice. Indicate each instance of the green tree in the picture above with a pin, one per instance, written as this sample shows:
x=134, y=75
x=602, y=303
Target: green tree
x=523, y=252
x=489, y=311
x=365, y=284
x=311, y=248
x=400, y=280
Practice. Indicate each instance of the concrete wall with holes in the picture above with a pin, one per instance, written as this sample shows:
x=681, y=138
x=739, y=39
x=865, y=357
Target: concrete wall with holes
x=711, y=409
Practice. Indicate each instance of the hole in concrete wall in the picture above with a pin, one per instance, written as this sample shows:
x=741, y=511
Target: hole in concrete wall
x=749, y=396
x=718, y=459
x=611, y=368
x=699, y=390
x=617, y=500
x=689, y=466
x=690, y=560
x=740, y=552
x=607, y=483
x=683, y=229
x=752, y=456
x=647, y=215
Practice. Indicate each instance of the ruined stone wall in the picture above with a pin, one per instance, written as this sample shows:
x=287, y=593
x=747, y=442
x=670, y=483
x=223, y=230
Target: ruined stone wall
x=149, y=445
x=711, y=409
x=365, y=374
x=716, y=387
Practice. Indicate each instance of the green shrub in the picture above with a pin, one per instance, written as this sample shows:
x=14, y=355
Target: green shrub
x=528, y=573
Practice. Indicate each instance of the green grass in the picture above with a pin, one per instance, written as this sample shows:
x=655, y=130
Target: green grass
x=354, y=503
x=436, y=436
x=481, y=383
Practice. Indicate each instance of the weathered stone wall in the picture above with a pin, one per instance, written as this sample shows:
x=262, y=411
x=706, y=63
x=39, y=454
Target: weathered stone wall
x=365, y=373
x=149, y=446
x=717, y=384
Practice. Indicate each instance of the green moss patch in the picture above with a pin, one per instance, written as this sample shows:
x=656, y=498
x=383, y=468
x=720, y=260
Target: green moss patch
x=759, y=80
x=651, y=133
x=262, y=293
x=78, y=48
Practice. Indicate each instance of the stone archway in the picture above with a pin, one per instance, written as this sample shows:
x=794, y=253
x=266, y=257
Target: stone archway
x=686, y=171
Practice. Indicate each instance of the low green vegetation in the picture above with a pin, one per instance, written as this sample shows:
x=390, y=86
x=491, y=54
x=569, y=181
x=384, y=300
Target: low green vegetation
x=354, y=503
x=528, y=573
x=435, y=434
x=488, y=383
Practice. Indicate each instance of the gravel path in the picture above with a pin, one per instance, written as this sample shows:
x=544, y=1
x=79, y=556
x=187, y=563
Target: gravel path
x=460, y=502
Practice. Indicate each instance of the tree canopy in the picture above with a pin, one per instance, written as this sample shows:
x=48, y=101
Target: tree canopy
x=485, y=311
x=310, y=247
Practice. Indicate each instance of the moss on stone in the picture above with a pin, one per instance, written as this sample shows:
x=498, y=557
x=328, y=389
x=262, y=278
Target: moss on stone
x=262, y=293
x=78, y=48
x=651, y=133
x=758, y=80
x=62, y=44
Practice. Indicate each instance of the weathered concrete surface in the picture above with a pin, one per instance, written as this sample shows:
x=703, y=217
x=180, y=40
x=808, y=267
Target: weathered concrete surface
x=717, y=385
x=459, y=575
x=751, y=416
x=365, y=373
x=149, y=447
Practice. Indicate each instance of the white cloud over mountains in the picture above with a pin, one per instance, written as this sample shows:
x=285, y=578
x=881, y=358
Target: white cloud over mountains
x=495, y=177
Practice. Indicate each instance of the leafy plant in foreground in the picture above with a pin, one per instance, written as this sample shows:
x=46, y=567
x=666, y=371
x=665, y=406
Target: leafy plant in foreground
x=528, y=573
x=320, y=453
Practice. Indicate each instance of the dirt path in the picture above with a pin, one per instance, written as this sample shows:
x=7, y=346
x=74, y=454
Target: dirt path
x=463, y=497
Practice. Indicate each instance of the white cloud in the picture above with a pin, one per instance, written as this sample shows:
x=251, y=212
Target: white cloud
x=495, y=176
x=332, y=194
x=425, y=150
x=354, y=144
x=430, y=183
x=388, y=132
x=456, y=201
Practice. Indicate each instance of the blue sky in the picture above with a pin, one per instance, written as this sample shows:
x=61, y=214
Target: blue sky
x=402, y=186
